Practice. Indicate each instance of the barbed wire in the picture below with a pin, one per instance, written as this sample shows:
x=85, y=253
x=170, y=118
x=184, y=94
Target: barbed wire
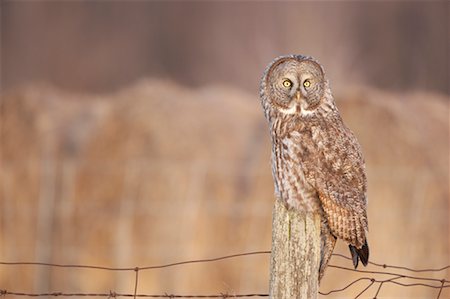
x=393, y=278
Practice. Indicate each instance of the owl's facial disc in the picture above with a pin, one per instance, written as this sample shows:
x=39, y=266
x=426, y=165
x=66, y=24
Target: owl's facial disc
x=289, y=102
x=292, y=99
x=296, y=86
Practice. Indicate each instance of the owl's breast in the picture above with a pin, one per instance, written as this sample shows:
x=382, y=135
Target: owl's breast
x=291, y=184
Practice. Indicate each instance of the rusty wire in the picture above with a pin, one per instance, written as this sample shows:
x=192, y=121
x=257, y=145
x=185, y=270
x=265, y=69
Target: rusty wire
x=393, y=278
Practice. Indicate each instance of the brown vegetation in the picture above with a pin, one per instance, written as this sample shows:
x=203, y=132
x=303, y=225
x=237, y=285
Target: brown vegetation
x=103, y=45
x=159, y=172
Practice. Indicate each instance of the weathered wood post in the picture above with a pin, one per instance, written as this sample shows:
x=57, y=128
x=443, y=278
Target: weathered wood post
x=295, y=257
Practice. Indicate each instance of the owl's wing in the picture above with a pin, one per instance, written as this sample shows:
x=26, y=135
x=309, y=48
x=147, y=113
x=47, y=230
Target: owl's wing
x=338, y=175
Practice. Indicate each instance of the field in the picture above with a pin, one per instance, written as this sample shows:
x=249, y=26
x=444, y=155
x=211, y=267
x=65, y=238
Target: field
x=158, y=172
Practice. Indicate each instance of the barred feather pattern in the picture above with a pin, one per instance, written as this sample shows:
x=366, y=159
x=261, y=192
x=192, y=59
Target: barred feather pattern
x=317, y=163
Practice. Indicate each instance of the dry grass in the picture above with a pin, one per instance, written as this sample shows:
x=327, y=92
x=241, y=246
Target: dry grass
x=158, y=173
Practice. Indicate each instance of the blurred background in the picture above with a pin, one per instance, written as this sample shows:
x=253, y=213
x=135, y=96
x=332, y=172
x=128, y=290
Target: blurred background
x=132, y=135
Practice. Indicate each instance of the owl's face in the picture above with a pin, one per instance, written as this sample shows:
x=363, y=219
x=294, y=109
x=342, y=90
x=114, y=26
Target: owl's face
x=294, y=85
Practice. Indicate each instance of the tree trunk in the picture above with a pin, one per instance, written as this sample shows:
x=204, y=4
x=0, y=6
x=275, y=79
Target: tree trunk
x=295, y=258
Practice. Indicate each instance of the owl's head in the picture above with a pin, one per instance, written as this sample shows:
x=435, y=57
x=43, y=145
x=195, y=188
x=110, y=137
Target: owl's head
x=294, y=85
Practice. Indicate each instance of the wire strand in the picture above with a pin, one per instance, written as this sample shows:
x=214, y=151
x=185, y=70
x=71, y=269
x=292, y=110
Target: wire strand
x=374, y=281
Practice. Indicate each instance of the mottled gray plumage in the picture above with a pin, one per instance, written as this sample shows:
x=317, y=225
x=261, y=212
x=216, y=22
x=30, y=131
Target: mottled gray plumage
x=317, y=162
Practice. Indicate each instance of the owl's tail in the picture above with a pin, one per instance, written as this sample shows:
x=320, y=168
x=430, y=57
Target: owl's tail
x=360, y=254
x=326, y=250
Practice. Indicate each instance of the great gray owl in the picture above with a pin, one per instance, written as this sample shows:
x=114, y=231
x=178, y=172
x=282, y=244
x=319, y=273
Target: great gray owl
x=317, y=164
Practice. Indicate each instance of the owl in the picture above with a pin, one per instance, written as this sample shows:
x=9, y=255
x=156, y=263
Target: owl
x=317, y=163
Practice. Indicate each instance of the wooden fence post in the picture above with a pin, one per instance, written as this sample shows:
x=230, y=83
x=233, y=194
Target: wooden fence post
x=295, y=257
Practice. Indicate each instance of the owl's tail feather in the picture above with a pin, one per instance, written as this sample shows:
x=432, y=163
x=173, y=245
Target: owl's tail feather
x=360, y=254
x=327, y=245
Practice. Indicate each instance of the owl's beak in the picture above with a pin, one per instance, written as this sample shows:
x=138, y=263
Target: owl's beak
x=297, y=96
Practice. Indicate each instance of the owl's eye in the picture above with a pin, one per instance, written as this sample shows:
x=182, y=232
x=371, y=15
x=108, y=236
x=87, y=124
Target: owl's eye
x=306, y=83
x=287, y=83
